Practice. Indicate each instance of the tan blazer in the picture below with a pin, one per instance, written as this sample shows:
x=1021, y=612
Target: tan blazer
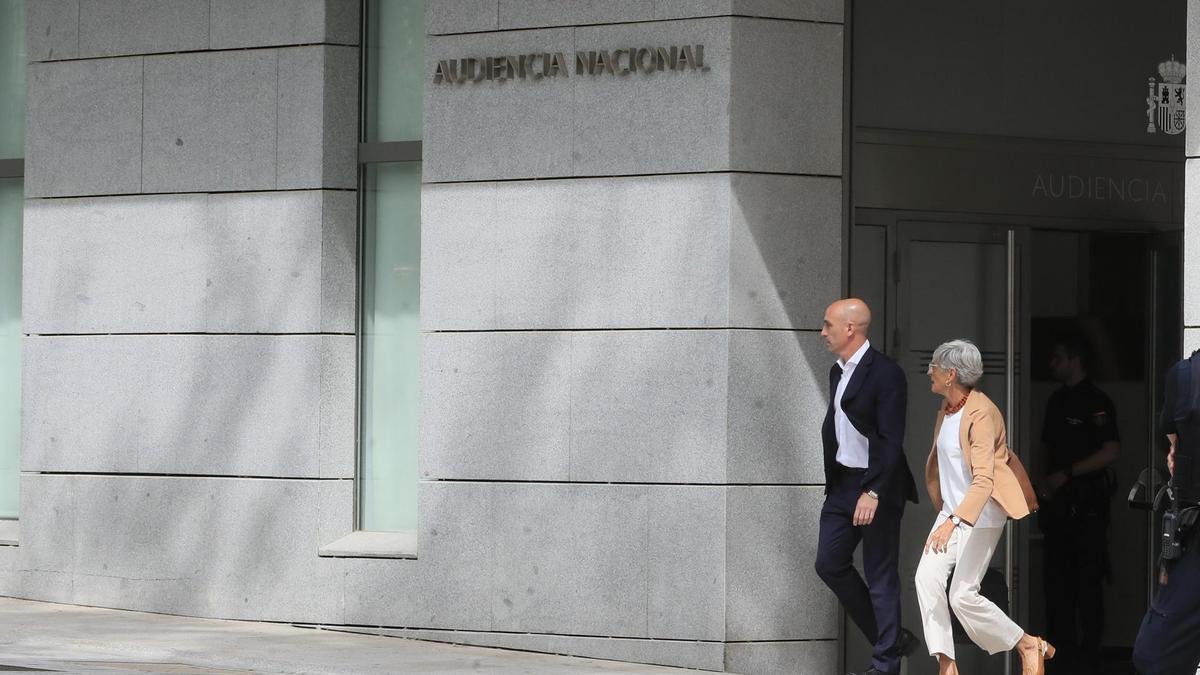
x=996, y=472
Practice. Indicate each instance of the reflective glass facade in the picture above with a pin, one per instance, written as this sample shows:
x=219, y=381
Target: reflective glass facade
x=389, y=327
x=12, y=147
x=12, y=79
x=10, y=344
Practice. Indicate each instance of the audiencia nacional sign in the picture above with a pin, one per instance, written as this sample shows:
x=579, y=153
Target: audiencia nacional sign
x=1099, y=188
x=539, y=65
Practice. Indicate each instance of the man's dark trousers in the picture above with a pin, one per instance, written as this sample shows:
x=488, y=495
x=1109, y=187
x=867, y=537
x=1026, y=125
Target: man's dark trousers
x=1168, y=643
x=876, y=611
x=1075, y=566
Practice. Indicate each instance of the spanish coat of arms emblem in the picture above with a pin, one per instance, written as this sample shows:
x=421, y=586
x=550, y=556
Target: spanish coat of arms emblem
x=1165, y=100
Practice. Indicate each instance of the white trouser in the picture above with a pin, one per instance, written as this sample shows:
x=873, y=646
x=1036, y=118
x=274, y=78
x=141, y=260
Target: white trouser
x=967, y=555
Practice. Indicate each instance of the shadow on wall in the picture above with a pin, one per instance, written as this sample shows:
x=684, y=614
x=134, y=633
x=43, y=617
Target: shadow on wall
x=168, y=408
x=785, y=268
x=740, y=407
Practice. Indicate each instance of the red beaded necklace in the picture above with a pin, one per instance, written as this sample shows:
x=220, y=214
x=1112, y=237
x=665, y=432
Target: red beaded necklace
x=950, y=410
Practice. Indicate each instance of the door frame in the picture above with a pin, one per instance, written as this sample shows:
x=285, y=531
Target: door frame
x=1164, y=239
x=1018, y=336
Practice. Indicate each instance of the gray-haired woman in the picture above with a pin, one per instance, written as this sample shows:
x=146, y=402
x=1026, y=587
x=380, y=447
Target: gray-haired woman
x=976, y=483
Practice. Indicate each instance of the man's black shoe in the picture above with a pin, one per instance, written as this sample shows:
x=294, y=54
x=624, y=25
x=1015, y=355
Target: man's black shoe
x=907, y=643
x=873, y=671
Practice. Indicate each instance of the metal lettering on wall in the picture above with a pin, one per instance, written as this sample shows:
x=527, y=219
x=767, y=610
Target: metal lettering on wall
x=538, y=65
x=1099, y=188
x=1165, y=102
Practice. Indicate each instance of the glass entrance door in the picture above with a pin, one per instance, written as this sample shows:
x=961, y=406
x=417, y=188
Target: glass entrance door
x=949, y=281
x=1018, y=292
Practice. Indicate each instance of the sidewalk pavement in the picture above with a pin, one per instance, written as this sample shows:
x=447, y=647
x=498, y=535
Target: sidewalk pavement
x=70, y=639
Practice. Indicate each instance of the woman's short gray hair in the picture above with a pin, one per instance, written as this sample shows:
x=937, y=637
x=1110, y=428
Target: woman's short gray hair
x=961, y=355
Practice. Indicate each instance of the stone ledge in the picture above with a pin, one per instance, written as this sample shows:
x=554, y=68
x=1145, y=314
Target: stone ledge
x=364, y=544
x=8, y=532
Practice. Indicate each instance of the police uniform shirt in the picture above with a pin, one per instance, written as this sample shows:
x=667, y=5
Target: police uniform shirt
x=1079, y=420
x=1177, y=392
x=1179, y=417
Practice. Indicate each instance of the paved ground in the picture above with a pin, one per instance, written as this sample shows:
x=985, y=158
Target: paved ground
x=69, y=639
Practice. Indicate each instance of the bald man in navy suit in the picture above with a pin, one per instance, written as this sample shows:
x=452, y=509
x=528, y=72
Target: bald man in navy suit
x=867, y=482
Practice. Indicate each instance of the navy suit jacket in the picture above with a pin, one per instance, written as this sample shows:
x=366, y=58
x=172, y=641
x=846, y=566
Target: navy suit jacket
x=875, y=401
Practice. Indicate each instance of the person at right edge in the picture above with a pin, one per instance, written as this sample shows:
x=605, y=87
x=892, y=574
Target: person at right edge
x=1168, y=641
x=1079, y=442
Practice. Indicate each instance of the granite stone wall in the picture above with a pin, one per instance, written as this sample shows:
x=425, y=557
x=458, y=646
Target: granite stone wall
x=622, y=284
x=189, y=305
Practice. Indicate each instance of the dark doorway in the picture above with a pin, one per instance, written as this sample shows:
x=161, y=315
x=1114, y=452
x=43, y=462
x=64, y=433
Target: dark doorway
x=1009, y=186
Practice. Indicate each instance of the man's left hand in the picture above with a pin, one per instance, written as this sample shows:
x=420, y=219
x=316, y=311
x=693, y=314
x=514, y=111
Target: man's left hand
x=1055, y=481
x=864, y=511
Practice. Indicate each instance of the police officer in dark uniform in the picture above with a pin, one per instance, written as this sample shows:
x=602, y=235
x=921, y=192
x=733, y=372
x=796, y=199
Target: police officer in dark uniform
x=1079, y=442
x=1168, y=642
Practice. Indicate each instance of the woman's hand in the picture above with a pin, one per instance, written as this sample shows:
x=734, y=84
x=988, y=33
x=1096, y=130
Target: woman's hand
x=939, y=539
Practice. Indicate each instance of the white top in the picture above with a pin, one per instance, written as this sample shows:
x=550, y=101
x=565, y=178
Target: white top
x=955, y=478
x=852, y=446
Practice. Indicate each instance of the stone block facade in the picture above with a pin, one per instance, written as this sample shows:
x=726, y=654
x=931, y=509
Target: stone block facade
x=622, y=285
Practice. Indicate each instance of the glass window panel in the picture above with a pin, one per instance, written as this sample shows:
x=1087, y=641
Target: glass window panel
x=12, y=79
x=10, y=344
x=395, y=64
x=391, y=346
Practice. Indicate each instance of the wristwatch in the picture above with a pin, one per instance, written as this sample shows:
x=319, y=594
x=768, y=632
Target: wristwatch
x=872, y=494
x=956, y=520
